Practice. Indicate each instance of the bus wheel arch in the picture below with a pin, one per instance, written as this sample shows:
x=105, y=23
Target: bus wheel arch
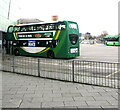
x=16, y=52
x=50, y=54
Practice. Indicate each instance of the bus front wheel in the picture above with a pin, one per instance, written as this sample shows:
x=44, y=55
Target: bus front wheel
x=16, y=52
x=50, y=54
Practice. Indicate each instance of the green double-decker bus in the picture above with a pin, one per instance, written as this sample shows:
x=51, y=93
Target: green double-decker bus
x=53, y=40
x=112, y=40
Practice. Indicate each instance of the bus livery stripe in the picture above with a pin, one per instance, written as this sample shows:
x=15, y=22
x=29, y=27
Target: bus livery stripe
x=44, y=50
x=57, y=35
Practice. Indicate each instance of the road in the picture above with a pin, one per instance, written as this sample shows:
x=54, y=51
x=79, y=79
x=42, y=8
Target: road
x=99, y=52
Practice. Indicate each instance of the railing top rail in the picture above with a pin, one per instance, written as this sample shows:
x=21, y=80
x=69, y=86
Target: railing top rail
x=98, y=61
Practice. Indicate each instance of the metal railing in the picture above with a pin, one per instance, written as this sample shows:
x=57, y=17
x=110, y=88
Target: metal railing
x=87, y=72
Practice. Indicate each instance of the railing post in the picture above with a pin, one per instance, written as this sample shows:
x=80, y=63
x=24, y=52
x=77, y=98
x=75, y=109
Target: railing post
x=118, y=84
x=13, y=64
x=38, y=67
x=73, y=70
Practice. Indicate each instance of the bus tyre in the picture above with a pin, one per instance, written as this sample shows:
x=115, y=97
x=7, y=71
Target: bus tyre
x=50, y=54
x=16, y=52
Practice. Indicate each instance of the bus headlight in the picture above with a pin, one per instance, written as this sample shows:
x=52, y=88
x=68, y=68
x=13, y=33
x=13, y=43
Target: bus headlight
x=74, y=50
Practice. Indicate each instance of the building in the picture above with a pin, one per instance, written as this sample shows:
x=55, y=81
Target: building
x=9, y=13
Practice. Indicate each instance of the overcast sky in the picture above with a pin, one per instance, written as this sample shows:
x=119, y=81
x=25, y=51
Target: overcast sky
x=92, y=16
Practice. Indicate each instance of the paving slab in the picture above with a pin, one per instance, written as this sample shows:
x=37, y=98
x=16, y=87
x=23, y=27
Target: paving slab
x=21, y=91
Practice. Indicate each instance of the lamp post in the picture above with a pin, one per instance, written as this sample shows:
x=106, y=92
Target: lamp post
x=9, y=9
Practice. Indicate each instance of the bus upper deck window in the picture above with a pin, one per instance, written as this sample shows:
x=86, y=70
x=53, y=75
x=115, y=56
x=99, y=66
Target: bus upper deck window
x=10, y=29
x=72, y=26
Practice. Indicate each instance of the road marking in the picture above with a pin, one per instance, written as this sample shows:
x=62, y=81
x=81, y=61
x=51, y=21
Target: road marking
x=113, y=73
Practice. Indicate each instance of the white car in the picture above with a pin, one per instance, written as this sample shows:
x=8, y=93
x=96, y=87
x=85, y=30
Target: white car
x=85, y=42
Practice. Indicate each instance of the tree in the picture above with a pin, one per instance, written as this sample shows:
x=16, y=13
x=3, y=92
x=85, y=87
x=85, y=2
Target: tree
x=102, y=36
x=104, y=33
x=88, y=35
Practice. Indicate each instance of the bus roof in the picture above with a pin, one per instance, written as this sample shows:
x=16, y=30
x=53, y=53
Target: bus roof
x=27, y=24
x=37, y=23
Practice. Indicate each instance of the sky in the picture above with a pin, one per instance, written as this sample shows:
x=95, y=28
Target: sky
x=93, y=16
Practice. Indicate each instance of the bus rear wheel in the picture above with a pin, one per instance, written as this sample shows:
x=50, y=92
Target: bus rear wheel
x=16, y=52
x=50, y=54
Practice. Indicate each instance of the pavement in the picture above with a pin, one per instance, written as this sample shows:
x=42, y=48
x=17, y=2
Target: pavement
x=21, y=91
